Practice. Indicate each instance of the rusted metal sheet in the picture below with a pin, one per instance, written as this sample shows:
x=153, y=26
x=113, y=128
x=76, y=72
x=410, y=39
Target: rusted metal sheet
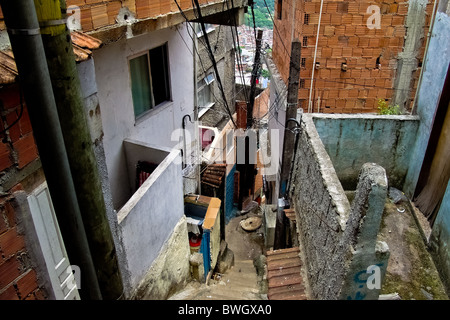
x=284, y=275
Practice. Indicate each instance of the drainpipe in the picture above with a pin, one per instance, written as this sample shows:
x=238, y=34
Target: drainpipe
x=198, y=151
x=315, y=56
x=183, y=151
x=26, y=42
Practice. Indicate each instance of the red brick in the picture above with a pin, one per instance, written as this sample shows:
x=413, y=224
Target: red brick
x=99, y=16
x=5, y=156
x=9, y=294
x=26, y=150
x=402, y=8
x=86, y=19
x=11, y=242
x=13, y=126
x=27, y=284
x=25, y=123
x=9, y=213
x=113, y=8
x=9, y=270
x=10, y=96
x=75, y=3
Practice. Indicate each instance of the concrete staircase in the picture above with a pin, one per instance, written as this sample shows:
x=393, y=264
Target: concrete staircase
x=240, y=282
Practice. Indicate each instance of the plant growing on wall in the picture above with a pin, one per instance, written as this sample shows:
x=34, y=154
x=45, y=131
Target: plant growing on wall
x=386, y=109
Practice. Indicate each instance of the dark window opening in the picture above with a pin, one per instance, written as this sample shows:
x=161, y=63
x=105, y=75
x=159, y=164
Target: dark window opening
x=149, y=80
x=279, y=9
x=302, y=83
x=306, y=18
x=303, y=63
x=305, y=41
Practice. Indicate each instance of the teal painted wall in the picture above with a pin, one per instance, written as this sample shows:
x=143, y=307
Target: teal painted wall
x=352, y=140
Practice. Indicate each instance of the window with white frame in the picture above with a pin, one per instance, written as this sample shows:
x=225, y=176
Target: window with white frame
x=150, y=84
x=205, y=93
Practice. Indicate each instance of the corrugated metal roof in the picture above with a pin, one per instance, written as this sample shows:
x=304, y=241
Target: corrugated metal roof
x=82, y=44
x=284, y=275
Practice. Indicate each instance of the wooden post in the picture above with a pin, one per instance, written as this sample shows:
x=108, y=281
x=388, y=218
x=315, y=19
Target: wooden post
x=291, y=113
x=79, y=147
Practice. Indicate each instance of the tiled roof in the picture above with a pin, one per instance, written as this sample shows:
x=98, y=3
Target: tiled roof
x=82, y=44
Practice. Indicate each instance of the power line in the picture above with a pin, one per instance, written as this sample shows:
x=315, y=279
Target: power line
x=213, y=60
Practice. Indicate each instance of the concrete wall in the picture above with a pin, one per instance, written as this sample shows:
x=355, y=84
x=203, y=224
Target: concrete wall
x=114, y=93
x=147, y=222
x=352, y=140
x=329, y=229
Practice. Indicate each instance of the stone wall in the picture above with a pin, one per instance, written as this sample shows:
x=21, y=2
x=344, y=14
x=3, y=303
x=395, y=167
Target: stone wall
x=329, y=229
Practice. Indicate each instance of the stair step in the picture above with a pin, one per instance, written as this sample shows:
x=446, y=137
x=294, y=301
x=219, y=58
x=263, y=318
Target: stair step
x=278, y=251
x=284, y=281
x=283, y=272
x=291, y=295
x=283, y=255
x=283, y=263
x=288, y=288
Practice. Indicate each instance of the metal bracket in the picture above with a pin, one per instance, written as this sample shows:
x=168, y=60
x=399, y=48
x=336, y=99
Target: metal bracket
x=24, y=32
x=48, y=23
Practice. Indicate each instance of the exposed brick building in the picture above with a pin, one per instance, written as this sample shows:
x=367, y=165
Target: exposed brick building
x=357, y=61
x=18, y=158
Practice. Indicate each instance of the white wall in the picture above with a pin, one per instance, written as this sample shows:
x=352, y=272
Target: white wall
x=114, y=92
x=148, y=219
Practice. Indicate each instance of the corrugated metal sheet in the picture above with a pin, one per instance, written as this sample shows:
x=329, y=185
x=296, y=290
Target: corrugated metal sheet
x=284, y=275
x=83, y=45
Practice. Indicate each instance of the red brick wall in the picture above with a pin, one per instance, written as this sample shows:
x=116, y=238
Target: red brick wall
x=96, y=13
x=17, y=149
x=18, y=280
x=345, y=38
x=17, y=146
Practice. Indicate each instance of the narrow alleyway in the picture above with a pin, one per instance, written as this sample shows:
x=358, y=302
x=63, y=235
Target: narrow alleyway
x=241, y=281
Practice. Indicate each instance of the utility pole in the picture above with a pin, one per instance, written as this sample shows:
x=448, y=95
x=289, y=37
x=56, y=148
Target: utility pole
x=26, y=42
x=291, y=113
x=255, y=72
x=83, y=164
